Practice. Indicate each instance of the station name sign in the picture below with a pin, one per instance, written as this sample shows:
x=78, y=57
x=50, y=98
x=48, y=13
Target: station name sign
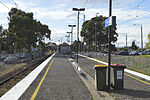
x=110, y=21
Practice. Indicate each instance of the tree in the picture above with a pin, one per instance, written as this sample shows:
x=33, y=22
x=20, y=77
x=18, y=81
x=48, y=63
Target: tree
x=134, y=46
x=148, y=43
x=24, y=31
x=96, y=25
x=3, y=40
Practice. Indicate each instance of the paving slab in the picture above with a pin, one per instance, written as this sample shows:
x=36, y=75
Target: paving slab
x=60, y=83
x=133, y=89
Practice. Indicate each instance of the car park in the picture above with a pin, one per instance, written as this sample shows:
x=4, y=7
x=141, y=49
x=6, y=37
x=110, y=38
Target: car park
x=147, y=52
x=11, y=60
x=122, y=53
x=2, y=57
x=134, y=53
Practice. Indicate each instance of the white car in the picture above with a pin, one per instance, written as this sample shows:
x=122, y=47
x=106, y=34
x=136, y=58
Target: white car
x=10, y=60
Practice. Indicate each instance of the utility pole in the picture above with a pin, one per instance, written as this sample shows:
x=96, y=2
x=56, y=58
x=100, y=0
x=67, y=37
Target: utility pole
x=141, y=39
x=78, y=10
x=109, y=40
x=126, y=42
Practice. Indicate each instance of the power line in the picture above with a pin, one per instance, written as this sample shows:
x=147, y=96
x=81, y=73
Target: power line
x=94, y=3
x=4, y=5
x=144, y=13
x=134, y=18
x=15, y=3
x=85, y=3
x=127, y=21
x=131, y=10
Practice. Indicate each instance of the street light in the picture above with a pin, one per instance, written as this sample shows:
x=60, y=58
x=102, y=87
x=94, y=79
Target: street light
x=78, y=9
x=97, y=14
x=141, y=37
x=71, y=32
x=68, y=36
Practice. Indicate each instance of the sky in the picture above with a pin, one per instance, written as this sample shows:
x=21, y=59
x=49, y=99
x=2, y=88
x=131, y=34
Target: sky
x=58, y=14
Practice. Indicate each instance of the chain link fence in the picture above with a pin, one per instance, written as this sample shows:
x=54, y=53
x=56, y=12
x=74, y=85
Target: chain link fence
x=138, y=63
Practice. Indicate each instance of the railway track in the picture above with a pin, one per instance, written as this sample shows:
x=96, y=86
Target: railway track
x=8, y=80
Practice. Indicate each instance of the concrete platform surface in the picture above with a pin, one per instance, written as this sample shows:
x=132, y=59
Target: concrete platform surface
x=60, y=83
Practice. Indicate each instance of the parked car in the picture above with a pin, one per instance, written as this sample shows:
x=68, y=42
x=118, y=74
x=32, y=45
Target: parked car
x=2, y=57
x=123, y=53
x=147, y=52
x=11, y=60
x=134, y=53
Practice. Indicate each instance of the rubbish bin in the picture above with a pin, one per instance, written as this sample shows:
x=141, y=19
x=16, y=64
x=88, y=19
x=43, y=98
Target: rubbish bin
x=100, y=77
x=118, y=76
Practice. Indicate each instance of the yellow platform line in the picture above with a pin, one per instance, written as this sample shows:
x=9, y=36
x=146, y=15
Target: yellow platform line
x=39, y=85
x=137, y=79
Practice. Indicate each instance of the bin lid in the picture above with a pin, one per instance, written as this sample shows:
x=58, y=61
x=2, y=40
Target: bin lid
x=118, y=65
x=100, y=66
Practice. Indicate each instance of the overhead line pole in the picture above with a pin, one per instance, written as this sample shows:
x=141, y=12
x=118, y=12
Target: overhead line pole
x=141, y=39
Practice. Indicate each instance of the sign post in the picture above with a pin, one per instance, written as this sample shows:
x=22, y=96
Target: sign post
x=111, y=21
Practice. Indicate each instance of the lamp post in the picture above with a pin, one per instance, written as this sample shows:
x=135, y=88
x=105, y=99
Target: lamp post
x=95, y=34
x=78, y=10
x=141, y=37
x=71, y=32
x=97, y=14
x=67, y=36
x=95, y=37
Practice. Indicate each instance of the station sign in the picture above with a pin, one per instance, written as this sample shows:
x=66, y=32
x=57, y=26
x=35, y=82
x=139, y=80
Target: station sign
x=110, y=21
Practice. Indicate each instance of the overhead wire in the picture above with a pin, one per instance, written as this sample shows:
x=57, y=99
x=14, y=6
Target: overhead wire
x=4, y=5
x=15, y=3
x=85, y=3
x=148, y=12
x=130, y=10
x=94, y=2
x=135, y=16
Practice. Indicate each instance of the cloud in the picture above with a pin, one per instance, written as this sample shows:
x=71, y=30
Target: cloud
x=47, y=13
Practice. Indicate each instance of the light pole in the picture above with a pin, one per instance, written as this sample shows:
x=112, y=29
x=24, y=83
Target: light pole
x=97, y=14
x=95, y=37
x=61, y=40
x=67, y=36
x=71, y=32
x=78, y=9
x=141, y=37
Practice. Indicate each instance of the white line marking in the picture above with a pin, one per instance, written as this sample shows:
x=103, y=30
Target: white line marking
x=15, y=92
x=126, y=70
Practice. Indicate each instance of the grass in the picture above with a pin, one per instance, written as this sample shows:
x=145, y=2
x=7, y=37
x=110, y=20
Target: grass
x=145, y=56
x=135, y=64
x=138, y=71
x=103, y=60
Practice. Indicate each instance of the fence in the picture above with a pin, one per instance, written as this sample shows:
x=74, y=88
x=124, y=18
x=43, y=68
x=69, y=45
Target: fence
x=138, y=63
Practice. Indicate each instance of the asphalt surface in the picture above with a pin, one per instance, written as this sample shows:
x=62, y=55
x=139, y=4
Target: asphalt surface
x=60, y=83
x=133, y=89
